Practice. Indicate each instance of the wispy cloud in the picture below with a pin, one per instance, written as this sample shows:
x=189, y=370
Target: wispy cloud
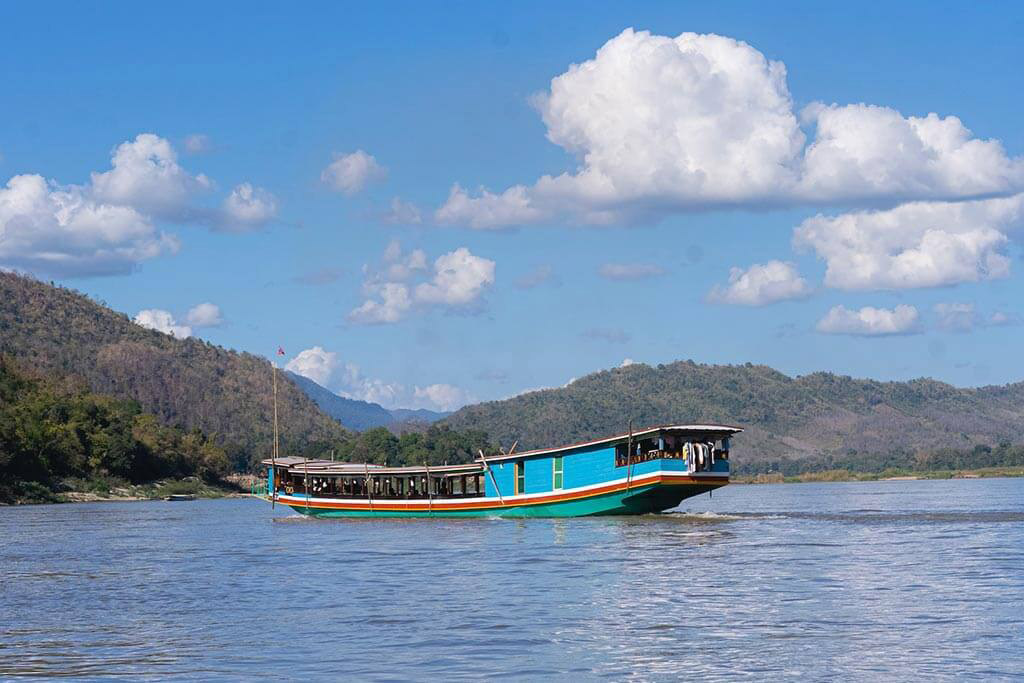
x=541, y=275
x=321, y=276
x=630, y=271
x=870, y=321
x=351, y=173
x=761, y=284
x=612, y=335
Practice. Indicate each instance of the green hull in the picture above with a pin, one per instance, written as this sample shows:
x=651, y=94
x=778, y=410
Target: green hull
x=637, y=501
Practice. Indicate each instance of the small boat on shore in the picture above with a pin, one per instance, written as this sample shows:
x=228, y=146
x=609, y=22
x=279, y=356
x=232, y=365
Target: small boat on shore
x=634, y=473
x=178, y=497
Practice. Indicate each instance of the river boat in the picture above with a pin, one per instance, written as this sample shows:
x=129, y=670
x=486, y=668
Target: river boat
x=634, y=473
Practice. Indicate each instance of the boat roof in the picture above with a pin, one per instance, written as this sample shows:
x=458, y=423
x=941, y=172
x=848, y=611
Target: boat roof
x=330, y=467
x=685, y=429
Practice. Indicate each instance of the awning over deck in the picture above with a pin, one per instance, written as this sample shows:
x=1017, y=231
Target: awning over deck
x=687, y=430
x=323, y=468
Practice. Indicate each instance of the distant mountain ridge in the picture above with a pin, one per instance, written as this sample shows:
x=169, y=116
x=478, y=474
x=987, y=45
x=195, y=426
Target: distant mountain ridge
x=362, y=415
x=184, y=382
x=815, y=415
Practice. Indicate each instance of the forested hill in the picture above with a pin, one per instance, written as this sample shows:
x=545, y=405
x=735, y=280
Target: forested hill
x=189, y=383
x=814, y=416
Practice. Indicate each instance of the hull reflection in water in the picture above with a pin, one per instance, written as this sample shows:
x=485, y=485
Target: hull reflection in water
x=635, y=473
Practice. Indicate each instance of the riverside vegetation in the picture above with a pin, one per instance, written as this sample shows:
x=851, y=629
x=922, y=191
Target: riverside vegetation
x=57, y=437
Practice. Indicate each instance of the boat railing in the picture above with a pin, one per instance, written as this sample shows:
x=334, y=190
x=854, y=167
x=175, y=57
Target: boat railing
x=386, y=487
x=688, y=455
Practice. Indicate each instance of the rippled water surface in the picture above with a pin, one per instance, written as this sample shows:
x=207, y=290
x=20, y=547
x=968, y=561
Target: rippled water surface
x=890, y=580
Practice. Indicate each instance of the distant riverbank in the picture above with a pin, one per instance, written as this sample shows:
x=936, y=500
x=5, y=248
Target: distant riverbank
x=886, y=475
x=116, y=490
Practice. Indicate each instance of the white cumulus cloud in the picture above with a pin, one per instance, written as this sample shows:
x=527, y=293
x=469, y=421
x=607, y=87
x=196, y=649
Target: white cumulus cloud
x=107, y=226
x=460, y=279
x=146, y=175
x=204, y=315
x=870, y=321
x=162, y=321
x=762, y=283
x=351, y=173
x=864, y=152
x=919, y=244
x=701, y=122
x=65, y=232
x=247, y=207
x=316, y=364
x=390, y=302
x=456, y=281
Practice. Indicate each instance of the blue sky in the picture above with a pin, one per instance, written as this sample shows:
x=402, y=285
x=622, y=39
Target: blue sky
x=277, y=143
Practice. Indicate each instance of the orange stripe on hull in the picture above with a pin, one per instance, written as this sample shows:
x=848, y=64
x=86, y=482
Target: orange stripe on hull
x=419, y=505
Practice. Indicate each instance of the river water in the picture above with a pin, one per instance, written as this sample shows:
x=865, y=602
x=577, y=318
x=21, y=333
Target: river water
x=894, y=580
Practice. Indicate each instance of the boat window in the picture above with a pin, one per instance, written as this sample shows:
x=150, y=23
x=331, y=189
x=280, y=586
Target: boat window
x=520, y=478
x=558, y=477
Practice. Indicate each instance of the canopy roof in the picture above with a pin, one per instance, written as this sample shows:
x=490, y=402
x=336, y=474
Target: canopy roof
x=321, y=468
x=694, y=430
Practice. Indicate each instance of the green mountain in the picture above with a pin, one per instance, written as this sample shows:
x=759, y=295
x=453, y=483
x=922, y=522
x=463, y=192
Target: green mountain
x=811, y=417
x=187, y=383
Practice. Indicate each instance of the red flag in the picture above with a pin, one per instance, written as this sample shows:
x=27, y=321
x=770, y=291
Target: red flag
x=280, y=351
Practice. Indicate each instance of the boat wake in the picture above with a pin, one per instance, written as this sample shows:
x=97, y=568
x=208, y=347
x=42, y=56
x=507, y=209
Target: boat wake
x=701, y=516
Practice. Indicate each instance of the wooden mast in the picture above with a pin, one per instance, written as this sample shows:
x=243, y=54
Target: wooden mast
x=305, y=481
x=629, y=458
x=369, y=485
x=430, y=496
x=273, y=448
